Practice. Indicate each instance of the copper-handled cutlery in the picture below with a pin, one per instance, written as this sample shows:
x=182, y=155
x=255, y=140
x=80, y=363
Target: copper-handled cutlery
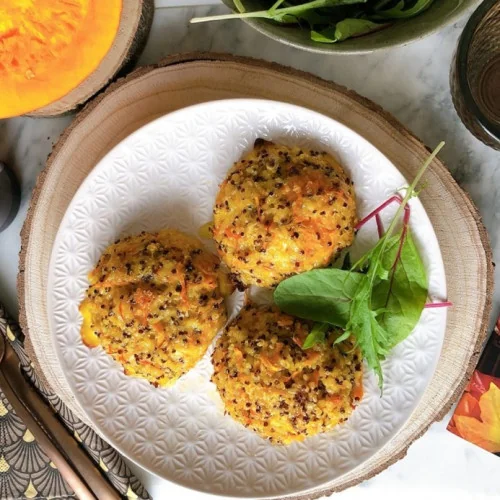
x=74, y=464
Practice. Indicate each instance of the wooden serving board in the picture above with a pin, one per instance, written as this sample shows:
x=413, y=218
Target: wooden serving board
x=187, y=79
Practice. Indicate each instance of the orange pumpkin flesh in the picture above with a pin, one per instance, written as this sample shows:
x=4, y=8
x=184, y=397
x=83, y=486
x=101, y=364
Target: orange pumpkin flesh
x=48, y=47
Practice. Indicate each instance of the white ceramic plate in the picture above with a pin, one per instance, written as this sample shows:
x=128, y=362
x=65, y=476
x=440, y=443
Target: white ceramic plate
x=167, y=175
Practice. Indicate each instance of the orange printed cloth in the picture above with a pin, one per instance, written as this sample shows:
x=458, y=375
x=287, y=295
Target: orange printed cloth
x=477, y=415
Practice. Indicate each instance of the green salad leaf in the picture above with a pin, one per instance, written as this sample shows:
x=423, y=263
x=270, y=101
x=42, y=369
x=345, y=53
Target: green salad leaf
x=363, y=323
x=345, y=29
x=402, y=297
x=329, y=21
x=326, y=295
x=323, y=295
x=288, y=14
x=404, y=9
x=239, y=5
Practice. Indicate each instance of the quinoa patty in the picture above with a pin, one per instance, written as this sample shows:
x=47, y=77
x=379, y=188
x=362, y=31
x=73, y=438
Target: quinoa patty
x=282, y=211
x=274, y=387
x=155, y=303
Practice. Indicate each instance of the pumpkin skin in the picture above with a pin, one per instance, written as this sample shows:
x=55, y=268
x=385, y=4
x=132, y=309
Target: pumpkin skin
x=49, y=47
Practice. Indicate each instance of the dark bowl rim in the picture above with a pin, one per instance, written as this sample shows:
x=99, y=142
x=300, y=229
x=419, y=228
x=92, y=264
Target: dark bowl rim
x=15, y=195
x=260, y=25
x=461, y=65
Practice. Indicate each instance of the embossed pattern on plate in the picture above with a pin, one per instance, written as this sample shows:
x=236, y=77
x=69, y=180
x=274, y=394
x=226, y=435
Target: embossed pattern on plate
x=167, y=175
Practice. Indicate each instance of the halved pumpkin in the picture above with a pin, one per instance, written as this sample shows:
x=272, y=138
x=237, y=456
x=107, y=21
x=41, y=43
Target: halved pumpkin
x=48, y=47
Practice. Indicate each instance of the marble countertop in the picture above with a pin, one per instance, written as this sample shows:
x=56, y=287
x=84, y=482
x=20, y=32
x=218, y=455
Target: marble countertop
x=412, y=83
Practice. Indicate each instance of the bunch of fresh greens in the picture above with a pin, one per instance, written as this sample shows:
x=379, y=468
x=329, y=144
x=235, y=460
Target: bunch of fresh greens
x=331, y=21
x=379, y=299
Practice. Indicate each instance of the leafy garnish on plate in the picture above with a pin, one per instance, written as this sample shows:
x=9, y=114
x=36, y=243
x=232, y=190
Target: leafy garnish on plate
x=379, y=300
x=323, y=295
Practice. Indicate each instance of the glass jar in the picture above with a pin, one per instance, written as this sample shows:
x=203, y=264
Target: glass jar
x=475, y=74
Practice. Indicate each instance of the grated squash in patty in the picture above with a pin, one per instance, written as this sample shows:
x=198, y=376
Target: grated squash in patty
x=155, y=303
x=272, y=386
x=282, y=211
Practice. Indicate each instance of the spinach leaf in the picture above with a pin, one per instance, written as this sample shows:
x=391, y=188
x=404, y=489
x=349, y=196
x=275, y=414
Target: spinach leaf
x=384, y=5
x=317, y=19
x=316, y=335
x=345, y=29
x=402, y=297
x=327, y=35
x=288, y=14
x=239, y=5
x=322, y=295
x=404, y=10
x=330, y=21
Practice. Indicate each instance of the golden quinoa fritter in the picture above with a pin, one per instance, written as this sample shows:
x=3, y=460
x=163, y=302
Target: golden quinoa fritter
x=274, y=387
x=282, y=211
x=155, y=303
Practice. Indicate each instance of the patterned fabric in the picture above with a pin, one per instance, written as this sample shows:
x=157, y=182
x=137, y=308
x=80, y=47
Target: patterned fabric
x=25, y=470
